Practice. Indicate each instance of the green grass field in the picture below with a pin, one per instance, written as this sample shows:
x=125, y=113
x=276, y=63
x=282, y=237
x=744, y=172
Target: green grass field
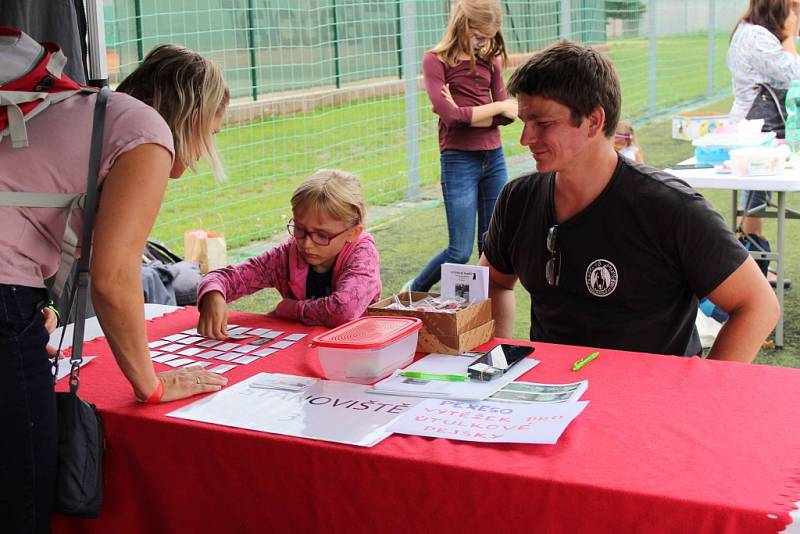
x=267, y=158
x=408, y=241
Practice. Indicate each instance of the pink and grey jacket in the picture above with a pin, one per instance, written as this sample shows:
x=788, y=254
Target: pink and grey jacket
x=356, y=282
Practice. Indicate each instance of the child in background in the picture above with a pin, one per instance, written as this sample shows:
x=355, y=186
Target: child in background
x=463, y=77
x=625, y=142
x=327, y=272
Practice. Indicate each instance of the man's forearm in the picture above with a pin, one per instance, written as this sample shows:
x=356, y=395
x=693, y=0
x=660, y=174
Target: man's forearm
x=742, y=335
x=503, y=306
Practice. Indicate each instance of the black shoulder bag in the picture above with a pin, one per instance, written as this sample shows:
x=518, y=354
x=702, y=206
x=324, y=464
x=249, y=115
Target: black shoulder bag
x=79, y=480
x=770, y=105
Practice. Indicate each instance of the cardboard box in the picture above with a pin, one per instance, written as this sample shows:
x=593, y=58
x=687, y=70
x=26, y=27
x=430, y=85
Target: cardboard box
x=428, y=342
x=447, y=333
x=690, y=126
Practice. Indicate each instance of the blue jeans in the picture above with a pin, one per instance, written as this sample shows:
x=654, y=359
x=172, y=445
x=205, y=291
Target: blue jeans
x=754, y=199
x=27, y=413
x=471, y=183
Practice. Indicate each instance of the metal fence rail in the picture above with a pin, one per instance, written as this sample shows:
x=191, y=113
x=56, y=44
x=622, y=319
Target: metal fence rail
x=334, y=83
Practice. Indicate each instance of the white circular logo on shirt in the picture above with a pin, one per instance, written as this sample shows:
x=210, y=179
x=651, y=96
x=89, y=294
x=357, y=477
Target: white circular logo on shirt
x=601, y=278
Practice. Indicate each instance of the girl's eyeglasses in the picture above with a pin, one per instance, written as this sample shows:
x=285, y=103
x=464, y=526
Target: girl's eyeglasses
x=552, y=269
x=322, y=239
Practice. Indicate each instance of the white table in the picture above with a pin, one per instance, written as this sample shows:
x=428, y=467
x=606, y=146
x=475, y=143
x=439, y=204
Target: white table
x=781, y=184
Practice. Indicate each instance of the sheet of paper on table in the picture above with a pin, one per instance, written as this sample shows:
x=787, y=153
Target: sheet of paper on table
x=447, y=364
x=326, y=410
x=534, y=392
x=469, y=282
x=488, y=422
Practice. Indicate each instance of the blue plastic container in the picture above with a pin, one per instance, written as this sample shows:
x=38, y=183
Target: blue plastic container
x=715, y=149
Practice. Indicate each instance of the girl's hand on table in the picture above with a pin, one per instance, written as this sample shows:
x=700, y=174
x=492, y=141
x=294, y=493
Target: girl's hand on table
x=213, y=321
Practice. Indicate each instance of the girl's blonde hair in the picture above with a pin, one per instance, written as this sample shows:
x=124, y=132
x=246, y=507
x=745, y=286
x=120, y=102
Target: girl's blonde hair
x=188, y=91
x=481, y=15
x=336, y=192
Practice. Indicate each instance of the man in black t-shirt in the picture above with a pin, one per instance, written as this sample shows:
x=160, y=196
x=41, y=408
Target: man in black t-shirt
x=613, y=253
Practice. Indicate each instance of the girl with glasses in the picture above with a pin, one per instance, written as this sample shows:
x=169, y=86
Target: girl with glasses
x=327, y=272
x=464, y=80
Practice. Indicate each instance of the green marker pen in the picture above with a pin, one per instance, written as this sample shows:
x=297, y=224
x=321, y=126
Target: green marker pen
x=580, y=363
x=434, y=376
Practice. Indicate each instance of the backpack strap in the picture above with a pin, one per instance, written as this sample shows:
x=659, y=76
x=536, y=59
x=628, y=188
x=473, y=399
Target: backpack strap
x=41, y=200
x=31, y=79
x=11, y=100
x=80, y=286
x=69, y=243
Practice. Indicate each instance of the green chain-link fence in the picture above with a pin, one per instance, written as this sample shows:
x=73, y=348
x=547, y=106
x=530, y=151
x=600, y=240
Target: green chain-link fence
x=334, y=83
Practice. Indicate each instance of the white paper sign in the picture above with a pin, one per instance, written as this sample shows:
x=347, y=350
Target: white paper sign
x=470, y=282
x=489, y=422
x=328, y=411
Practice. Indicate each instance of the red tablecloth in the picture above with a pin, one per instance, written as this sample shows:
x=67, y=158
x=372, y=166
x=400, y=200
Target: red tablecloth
x=667, y=444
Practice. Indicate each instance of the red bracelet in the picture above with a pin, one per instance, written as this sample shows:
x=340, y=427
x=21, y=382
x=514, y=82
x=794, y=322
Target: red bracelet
x=155, y=398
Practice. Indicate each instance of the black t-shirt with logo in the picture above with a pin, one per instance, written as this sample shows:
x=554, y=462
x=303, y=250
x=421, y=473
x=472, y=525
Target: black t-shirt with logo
x=633, y=262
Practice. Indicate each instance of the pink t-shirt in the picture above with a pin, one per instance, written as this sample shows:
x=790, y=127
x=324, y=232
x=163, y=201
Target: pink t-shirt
x=57, y=161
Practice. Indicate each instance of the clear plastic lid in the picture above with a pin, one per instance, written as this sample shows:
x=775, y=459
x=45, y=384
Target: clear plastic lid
x=734, y=139
x=371, y=332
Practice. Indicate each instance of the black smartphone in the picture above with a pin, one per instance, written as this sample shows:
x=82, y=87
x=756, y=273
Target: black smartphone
x=679, y=166
x=497, y=361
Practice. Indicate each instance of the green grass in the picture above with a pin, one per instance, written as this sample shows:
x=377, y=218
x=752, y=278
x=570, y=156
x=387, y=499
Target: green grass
x=268, y=157
x=408, y=241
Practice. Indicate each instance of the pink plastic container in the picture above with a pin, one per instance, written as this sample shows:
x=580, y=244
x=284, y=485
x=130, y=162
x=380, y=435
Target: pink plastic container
x=368, y=349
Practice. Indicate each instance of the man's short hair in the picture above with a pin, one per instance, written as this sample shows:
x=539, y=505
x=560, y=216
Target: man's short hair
x=574, y=75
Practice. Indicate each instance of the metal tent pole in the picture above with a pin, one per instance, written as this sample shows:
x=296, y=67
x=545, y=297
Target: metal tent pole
x=97, y=62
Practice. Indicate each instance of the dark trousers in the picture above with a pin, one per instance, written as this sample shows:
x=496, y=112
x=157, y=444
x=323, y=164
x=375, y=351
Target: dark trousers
x=28, y=426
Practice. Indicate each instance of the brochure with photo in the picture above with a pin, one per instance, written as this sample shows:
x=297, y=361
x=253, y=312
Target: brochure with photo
x=470, y=282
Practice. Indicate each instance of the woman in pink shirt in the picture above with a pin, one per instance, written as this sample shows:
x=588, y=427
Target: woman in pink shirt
x=142, y=147
x=328, y=272
x=464, y=81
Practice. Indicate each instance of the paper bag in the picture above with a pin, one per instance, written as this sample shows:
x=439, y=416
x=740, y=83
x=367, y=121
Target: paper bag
x=206, y=248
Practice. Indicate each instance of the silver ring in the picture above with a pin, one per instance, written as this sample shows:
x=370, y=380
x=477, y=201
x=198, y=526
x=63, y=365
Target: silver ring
x=198, y=380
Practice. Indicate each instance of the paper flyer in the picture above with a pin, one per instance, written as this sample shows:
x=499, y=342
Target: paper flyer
x=489, y=422
x=448, y=364
x=470, y=282
x=318, y=409
x=534, y=392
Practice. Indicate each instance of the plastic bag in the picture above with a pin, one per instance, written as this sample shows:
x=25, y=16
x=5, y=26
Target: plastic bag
x=206, y=248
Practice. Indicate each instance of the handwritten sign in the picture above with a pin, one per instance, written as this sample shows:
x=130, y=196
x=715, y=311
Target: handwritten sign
x=486, y=421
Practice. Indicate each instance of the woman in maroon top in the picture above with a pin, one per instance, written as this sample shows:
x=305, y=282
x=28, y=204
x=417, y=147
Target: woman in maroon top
x=464, y=80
